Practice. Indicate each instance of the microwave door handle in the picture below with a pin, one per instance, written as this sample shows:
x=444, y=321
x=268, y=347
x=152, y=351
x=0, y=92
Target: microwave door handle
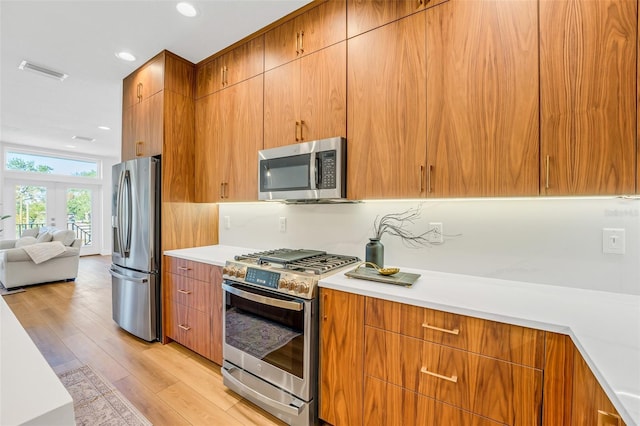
x=318, y=172
x=313, y=170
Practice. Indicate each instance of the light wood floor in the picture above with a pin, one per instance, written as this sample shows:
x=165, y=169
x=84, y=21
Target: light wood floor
x=71, y=325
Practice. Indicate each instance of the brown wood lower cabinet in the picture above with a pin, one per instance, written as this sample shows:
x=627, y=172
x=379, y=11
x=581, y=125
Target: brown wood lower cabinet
x=386, y=404
x=503, y=391
x=388, y=363
x=192, y=296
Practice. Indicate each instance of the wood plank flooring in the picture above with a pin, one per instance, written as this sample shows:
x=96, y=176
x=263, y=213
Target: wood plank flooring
x=71, y=325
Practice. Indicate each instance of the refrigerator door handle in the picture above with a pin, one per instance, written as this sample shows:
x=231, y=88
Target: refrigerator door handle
x=123, y=277
x=117, y=219
x=125, y=231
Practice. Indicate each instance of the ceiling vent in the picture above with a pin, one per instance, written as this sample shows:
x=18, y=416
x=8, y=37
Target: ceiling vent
x=24, y=65
x=83, y=138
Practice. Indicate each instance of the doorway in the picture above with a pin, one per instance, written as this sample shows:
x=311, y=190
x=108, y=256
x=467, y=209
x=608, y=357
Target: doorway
x=36, y=203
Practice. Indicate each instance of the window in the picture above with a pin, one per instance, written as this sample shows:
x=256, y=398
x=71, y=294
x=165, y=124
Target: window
x=36, y=163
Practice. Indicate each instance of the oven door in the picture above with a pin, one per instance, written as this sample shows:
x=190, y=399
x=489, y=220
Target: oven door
x=272, y=336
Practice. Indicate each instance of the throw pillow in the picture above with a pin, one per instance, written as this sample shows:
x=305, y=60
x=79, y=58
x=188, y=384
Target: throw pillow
x=31, y=232
x=44, y=237
x=25, y=241
x=66, y=237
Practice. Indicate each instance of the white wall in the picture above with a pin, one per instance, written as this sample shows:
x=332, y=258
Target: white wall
x=549, y=241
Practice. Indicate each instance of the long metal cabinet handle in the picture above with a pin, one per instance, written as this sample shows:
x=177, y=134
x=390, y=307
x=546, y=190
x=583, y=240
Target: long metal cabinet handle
x=429, y=170
x=222, y=76
x=301, y=127
x=289, y=409
x=139, y=150
x=301, y=42
x=546, y=184
x=124, y=277
x=184, y=327
x=453, y=379
x=455, y=331
x=421, y=178
x=297, y=125
x=297, y=43
x=278, y=303
x=184, y=291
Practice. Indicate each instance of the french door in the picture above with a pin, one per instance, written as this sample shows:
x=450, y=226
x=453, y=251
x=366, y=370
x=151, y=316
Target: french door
x=36, y=203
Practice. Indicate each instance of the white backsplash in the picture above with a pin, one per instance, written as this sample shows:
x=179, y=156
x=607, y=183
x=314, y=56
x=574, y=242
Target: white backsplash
x=547, y=241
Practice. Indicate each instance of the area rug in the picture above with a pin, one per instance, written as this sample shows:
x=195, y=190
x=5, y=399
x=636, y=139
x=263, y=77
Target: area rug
x=7, y=291
x=97, y=402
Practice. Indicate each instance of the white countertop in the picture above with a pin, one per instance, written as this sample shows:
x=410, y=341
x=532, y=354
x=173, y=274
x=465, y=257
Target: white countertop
x=30, y=391
x=604, y=326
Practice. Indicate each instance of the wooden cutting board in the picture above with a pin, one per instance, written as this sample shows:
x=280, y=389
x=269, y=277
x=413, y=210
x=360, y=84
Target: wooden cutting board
x=401, y=278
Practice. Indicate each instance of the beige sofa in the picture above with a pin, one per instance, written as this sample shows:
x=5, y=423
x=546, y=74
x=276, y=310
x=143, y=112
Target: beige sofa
x=18, y=268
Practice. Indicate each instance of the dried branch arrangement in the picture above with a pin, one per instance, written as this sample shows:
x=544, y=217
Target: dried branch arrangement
x=397, y=223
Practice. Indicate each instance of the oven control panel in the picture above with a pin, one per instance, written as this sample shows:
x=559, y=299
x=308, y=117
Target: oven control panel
x=282, y=281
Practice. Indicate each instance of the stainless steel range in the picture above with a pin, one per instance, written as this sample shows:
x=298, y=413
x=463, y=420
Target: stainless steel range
x=270, y=329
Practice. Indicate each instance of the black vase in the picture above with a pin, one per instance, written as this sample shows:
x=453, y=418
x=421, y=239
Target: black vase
x=374, y=252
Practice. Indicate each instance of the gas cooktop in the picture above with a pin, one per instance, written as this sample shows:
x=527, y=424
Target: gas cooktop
x=291, y=271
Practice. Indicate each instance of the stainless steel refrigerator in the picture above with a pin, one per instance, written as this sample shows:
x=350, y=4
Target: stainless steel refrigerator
x=135, y=269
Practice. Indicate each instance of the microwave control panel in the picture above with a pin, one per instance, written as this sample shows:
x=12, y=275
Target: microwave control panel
x=327, y=170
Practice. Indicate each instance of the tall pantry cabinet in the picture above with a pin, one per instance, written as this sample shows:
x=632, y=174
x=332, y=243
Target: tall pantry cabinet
x=588, y=96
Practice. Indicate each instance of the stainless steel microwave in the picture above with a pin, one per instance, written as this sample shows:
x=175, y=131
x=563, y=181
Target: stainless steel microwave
x=304, y=172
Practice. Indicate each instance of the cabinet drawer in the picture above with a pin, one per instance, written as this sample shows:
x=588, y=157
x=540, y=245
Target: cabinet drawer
x=196, y=270
x=499, y=390
x=503, y=341
x=390, y=405
x=189, y=327
x=189, y=292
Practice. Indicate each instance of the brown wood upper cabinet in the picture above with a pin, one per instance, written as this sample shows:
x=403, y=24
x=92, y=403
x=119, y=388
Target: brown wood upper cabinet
x=144, y=82
x=306, y=99
x=386, y=104
x=482, y=99
x=313, y=30
x=228, y=138
x=588, y=62
x=365, y=15
x=239, y=64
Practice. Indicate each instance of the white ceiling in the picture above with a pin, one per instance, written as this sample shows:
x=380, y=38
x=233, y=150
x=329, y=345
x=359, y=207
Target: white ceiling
x=80, y=38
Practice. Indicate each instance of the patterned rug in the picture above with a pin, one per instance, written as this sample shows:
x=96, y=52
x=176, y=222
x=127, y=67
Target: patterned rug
x=97, y=402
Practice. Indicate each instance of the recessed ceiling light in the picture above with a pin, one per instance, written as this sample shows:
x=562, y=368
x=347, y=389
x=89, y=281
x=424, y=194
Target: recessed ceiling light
x=70, y=146
x=39, y=69
x=104, y=128
x=186, y=9
x=83, y=138
x=125, y=56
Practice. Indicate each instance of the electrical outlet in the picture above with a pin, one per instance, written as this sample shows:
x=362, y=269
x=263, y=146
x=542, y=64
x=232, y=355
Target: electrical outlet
x=282, y=226
x=227, y=222
x=613, y=240
x=435, y=234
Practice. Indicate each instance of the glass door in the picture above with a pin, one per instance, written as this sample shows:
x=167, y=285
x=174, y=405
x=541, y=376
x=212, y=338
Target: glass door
x=50, y=204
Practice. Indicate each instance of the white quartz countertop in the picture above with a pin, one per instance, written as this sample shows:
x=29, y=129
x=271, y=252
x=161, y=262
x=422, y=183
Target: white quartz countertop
x=604, y=326
x=30, y=391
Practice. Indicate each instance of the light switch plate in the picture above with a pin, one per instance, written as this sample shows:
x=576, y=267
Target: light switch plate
x=613, y=240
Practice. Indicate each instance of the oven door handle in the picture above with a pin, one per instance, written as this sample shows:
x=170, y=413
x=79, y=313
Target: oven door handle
x=285, y=304
x=288, y=409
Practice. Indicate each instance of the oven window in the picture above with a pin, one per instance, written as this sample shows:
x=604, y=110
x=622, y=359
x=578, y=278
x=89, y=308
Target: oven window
x=272, y=334
x=285, y=174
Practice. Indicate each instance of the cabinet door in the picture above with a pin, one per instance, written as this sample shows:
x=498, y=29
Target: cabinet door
x=365, y=15
x=240, y=111
x=315, y=29
x=216, y=315
x=243, y=62
x=590, y=402
x=282, y=105
x=207, y=179
x=482, y=98
x=340, y=378
x=206, y=79
x=144, y=82
x=588, y=100
x=323, y=81
x=386, y=111
x=142, y=128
